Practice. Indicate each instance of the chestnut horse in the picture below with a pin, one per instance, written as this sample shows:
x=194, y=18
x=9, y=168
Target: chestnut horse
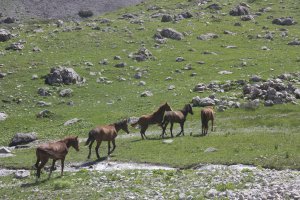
x=207, y=114
x=56, y=151
x=154, y=118
x=105, y=133
x=176, y=117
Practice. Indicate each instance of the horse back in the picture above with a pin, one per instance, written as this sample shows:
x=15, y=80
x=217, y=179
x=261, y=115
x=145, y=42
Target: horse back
x=105, y=133
x=56, y=150
x=174, y=116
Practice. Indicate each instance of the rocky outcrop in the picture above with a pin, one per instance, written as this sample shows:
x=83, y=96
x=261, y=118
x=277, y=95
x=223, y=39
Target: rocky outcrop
x=23, y=138
x=63, y=75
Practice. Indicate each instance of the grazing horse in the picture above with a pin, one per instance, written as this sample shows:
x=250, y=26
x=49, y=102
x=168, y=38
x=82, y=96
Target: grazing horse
x=56, y=151
x=154, y=118
x=176, y=117
x=207, y=114
x=105, y=133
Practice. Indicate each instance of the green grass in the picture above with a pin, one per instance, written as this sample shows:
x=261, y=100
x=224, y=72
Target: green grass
x=266, y=136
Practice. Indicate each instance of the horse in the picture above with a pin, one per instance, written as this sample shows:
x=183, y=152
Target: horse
x=105, y=133
x=154, y=118
x=56, y=151
x=207, y=114
x=176, y=117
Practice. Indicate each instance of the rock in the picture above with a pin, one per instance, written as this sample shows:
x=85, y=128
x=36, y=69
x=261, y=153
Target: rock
x=59, y=23
x=9, y=20
x=44, y=92
x=207, y=36
x=288, y=21
x=23, y=138
x=20, y=174
x=172, y=34
x=197, y=101
x=214, y=7
x=43, y=103
x=224, y=72
x=269, y=103
x=255, y=78
x=104, y=62
x=138, y=75
x=66, y=92
x=199, y=87
x=3, y=116
x=4, y=150
x=121, y=65
x=72, y=121
x=295, y=42
x=15, y=46
x=297, y=93
x=182, y=196
x=179, y=59
x=171, y=87
x=63, y=75
x=5, y=35
x=211, y=193
x=34, y=77
x=146, y=94
x=117, y=57
x=239, y=10
x=142, y=83
x=166, y=18
x=2, y=75
x=169, y=141
x=142, y=55
x=210, y=149
x=44, y=114
x=247, y=17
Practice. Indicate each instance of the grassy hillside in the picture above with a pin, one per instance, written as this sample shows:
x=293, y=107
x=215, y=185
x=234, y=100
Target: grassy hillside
x=77, y=45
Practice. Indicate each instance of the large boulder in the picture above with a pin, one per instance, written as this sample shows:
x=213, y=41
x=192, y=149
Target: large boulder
x=5, y=35
x=23, y=138
x=239, y=10
x=63, y=75
x=172, y=34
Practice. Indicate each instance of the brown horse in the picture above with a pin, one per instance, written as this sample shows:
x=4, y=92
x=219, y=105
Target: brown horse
x=56, y=151
x=154, y=118
x=207, y=114
x=176, y=117
x=105, y=133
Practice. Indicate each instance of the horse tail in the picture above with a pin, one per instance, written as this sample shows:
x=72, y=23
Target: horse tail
x=90, y=138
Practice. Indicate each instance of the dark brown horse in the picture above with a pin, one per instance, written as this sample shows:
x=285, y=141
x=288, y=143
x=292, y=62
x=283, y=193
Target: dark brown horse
x=154, y=118
x=176, y=117
x=207, y=114
x=105, y=133
x=56, y=151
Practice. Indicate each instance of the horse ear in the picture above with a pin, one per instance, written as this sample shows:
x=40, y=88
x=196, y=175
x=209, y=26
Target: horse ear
x=76, y=137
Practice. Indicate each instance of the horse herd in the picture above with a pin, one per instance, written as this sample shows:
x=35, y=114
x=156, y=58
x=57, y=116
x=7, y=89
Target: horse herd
x=163, y=116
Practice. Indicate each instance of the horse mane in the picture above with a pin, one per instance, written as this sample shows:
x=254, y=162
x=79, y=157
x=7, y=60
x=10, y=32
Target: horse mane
x=159, y=109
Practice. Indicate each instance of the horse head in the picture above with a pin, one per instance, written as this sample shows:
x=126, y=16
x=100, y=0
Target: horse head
x=167, y=107
x=74, y=142
x=124, y=125
x=190, y=109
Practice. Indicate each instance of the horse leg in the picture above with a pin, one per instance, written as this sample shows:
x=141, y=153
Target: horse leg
x=164, y=129
x=62, y=166
x=114, y=145
x=182, y=131
x=97, y=148
x=40, y=167
x=143, y=130
x=171, y=128
x=90, y=147
x=212, y=125
x=37, y=161
x=108, y=148
x=52, y=168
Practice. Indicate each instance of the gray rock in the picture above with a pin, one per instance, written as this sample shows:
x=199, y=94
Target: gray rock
x=72, y=121
x=44, y=92
x=197, y=101
x=207, y=36
x=23, y=138
x=166, y=18
x=63, y=75
x=239, y=10
x=120, y=65
x=43, y=104
x=169, y=141
x=66, y=92
x=16, y=46
x=146, y=94
x=138, y=75
x=20, y=174
x=295, y=42
x=5, y=35
x=3, y=116
x=297, y=93
x=117, y=57
x=247, y=17
x=171, y=87
x=179, y=59
x=4, y=150
x=142, y=83
x=288, y=21
x=2, y=75
x=199, y=87
x=269, y=103
x=142, y=55
x=255, y=78
x=210, y=149
x=104, y=62
x=172, y=34
x=44, y=114
x=214, y=7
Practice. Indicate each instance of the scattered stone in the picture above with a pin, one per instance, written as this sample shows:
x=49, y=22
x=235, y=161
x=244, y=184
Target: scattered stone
x=179, y=59
x=17, y=46
x=120, y=65
x=229, y=32
x=2, y=75
x=44, y=114
x=43, y=104
x=247, y=17
x=171, y=87
x=166, y=18
x=72, y=121
x=146, y=94
x=20, y=174
x=169, y=141
x=59, y=23
x=66, y=92
x=142, y=83
x=210, y=149
x=4, y=150
x=104, y=62
x=63, y=75
x=142, y=55
x=214, y=6
x=172, y=34
x=207, y=36
x=288, y=21
x=23, y=138
x=5, y=35
x=239, y=10
x=34, y=77
x=297, y=93
x=197, y=101
x=117, y=57
x=255, y=78
x=224, y=72
x=138, y=75
x=44, y=92
x=264, y=48
x=295, y=42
